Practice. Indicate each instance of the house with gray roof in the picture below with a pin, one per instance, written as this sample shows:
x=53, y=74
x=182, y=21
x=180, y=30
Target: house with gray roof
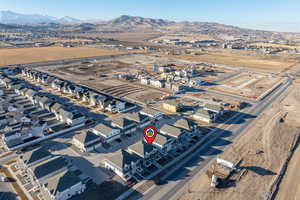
x=125, y=125
x=164, y=143
x=172, y=131
x=62, y=186
x=140, y=119
x=33, y=157
x=107, y=133
x=154, y=114
x=48, y=168
x=204, y=115
x=86, y=141
x=124, y=164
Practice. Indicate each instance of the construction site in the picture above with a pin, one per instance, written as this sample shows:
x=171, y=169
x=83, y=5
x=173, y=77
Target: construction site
x=253, y=169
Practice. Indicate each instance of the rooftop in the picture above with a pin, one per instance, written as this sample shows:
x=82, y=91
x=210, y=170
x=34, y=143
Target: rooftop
x=122, y=158
x=122, y=123
x=35, y=155
x=86, y=137
x=170, y=130
x=137, y=117
x=49, y=166
x=183, y=123
x=140, y=148
x=61, y=181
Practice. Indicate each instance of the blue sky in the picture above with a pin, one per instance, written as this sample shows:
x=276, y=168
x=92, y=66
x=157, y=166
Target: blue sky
x=280, y=15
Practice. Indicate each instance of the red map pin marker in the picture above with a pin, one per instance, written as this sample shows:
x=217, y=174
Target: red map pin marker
x=149, y=134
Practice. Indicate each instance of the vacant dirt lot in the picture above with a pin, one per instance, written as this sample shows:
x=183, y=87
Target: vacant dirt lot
x=264, y=149
x=29, y=55
x=238, y=60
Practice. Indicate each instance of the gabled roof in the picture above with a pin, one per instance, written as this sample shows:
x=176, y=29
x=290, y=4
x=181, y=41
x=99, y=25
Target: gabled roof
x=48, y=167
x=86, y=137
x=122, y=158
x=61, y=182
x=160, y=139
x=137, y=117
x=56, y=106
x=140, y=148
x=103, y=129
x=213, y=107
x=170, y=130
x=203, y=113
x=122, y=123
x=183, y=123
x=35, y=155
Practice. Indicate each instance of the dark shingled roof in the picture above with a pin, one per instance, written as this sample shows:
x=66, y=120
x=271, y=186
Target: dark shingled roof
x=49, y=166
x=35, y=155
x=61, y=182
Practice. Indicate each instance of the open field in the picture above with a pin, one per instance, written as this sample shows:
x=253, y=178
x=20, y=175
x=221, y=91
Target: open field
x=238, y=60
x=186, y=37
x=29, y=55
x=264, y=149
x=276, y=45
x=251, y=85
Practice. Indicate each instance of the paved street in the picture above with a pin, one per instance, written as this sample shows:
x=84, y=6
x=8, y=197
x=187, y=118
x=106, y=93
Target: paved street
x=199, y=160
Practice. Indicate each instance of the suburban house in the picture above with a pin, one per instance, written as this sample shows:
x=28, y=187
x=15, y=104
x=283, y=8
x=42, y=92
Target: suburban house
x=55, y=109
x=154, y=114
x=33, y=157
x=157, y=83
x=147, y=152
x=216, y=109
x=140, y=119
x=124, y=164
x=125, y=125
x=62, y=186
x=71, y=117
x=172, y=131
x=86, y=141
x=187, y=125
x=116, y=105
x=145, y=81
x=107, y=133
x=164, y=143
x=30, y=94
x=204, y=115
x=48, y=168
x=98, y=100
x=172, y=106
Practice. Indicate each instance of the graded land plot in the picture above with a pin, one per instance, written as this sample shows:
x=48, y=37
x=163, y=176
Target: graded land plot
x=186, y=37
x=30, y=55
x=277, y=45
x=238, y=60
x=258, y=148
x=251, y=85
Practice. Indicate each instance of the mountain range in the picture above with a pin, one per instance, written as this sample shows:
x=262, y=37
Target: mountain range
x=9, y=17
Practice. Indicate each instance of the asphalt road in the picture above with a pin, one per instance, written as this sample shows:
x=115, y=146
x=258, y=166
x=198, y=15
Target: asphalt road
x=176, y=180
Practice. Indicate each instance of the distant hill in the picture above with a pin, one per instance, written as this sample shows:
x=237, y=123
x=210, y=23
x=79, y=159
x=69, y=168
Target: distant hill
x=9, y=17
x=127, y=20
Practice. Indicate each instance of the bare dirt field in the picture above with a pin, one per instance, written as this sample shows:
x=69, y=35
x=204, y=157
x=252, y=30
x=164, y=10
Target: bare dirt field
x=186, y=37
x=29, y=55
x=250, y=84
x=264, y=149
x=238, y=60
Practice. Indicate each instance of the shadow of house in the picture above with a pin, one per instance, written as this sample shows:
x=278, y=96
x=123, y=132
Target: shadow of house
x=8, y=196
x=260, y=170
x=242, y=118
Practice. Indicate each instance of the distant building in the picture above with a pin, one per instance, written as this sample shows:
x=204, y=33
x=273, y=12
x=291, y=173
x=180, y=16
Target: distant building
x=125, y=125
x=204, y=115
x=172, y=106
x=154, y=114
x=140, y=119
